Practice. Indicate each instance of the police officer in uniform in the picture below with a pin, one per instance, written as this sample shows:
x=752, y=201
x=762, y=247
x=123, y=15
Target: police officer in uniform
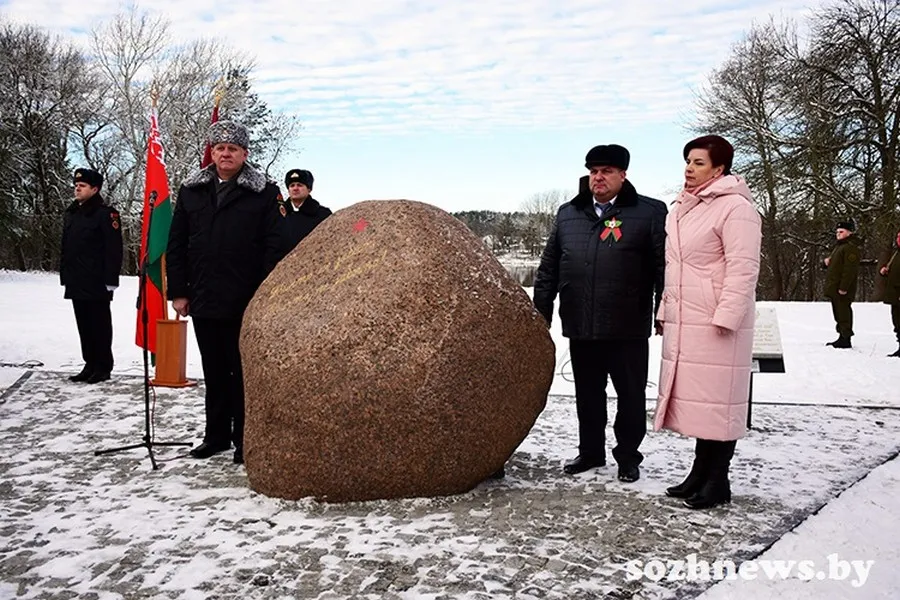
x=90, y=261
x=303, y=211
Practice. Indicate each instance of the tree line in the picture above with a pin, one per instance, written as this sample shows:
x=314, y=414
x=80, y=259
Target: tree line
x=814, y=118
x=815, y=121
x=62, y=106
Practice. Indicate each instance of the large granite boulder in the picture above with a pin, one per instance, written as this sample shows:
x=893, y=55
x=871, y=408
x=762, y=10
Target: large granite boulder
x=389, y=355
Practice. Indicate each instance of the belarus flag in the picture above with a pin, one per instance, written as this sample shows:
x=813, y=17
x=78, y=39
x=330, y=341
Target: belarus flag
x=155, y=224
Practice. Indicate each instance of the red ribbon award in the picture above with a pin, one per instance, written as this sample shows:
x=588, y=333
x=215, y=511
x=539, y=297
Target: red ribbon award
x=612, y=227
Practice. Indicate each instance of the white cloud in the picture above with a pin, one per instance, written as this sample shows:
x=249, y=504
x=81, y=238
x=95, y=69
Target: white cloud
x=400, y=65
x=490, y=88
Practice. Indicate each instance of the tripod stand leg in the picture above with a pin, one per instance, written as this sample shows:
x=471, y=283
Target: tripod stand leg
x=147, y=443
x=119, y=449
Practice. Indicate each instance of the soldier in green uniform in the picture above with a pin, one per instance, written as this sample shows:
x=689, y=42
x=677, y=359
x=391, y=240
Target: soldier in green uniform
x=840, y=281
x=891, y=270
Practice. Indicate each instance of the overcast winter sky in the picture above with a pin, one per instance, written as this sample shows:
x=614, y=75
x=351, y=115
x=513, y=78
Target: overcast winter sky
x=461, y=103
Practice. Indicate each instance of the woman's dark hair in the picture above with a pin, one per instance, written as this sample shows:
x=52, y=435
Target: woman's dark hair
x=721, y=153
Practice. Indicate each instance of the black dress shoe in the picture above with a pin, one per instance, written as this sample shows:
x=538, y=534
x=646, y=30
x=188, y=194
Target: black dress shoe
x=580, y=464
x=83, y=375
x=629, y=474
x=97, y=377
x=205, y=450
x=238, y=456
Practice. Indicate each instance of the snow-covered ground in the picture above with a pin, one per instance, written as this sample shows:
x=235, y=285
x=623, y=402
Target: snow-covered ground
x=816, y=478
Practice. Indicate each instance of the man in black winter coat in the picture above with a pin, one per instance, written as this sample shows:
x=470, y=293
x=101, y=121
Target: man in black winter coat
x=90, y=261
x=226, y=236
x=303, y=211
x=606, y=259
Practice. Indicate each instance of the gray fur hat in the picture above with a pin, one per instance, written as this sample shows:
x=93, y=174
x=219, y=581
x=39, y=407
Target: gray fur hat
x=228, y=132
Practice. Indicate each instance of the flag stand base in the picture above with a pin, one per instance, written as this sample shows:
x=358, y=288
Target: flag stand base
x=171, y=354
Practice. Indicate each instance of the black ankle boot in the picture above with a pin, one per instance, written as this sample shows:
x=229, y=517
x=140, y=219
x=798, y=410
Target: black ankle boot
x=716, y=489
x=842, y=342
x=696, y=478
x=895, y=354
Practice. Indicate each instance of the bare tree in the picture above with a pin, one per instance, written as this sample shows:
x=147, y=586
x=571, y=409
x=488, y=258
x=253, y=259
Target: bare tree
x=745, y=102
x=188, y=84
x=42, y=85
x=540, y=211
x=134, y=55
x=817, y=133
x=855, y=58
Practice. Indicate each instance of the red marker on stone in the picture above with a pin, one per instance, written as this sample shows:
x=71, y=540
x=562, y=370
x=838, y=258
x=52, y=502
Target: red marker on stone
x=360, y=225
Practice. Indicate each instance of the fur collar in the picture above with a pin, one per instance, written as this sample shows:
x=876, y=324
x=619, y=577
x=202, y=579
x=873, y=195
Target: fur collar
x=248, y=178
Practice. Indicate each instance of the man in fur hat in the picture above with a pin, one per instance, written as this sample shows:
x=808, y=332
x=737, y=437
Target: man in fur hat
x=840, y=282
x=227, y=235
x=303, y=211
x=90, y=261
x=606, y=259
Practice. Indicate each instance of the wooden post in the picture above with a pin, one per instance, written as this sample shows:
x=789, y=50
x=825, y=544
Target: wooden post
x=171, y=347
x=171, y=354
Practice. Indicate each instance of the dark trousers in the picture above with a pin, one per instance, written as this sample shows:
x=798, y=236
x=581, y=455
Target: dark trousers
x=220, y=354
x=625, y=361
x=94, y=321
x=843, y=315
x=895, y=318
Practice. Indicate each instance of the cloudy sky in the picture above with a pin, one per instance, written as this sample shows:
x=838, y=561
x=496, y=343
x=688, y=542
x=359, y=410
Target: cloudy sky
x=465, y=104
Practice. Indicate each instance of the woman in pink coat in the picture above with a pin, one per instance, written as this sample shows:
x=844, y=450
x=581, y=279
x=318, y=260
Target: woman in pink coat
x=707, y=314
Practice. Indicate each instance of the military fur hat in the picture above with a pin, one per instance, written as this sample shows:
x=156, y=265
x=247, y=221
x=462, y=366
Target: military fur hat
x=88, y=176
x=611, y=155
x=228, y=132
x=849, y=225
x=299, y=176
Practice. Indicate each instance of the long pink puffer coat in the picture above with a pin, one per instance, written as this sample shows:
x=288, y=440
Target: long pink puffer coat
x=712, y=264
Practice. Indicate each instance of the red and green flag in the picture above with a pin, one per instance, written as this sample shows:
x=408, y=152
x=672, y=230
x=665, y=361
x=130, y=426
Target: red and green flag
x=207, y=152
x=155, y=224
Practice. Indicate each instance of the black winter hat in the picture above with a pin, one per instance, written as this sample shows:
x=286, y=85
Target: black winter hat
x=88, y=176
x=299, y=176
x=849, y=225
x=611, y=155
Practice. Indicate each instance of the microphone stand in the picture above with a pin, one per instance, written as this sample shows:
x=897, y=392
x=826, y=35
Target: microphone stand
x=147, y=441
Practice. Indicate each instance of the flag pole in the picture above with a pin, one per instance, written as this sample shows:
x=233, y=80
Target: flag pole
x=154, y=99
x=164, y=294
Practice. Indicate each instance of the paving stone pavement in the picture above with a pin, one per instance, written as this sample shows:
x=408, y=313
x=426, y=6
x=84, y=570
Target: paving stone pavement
x=75, y=525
